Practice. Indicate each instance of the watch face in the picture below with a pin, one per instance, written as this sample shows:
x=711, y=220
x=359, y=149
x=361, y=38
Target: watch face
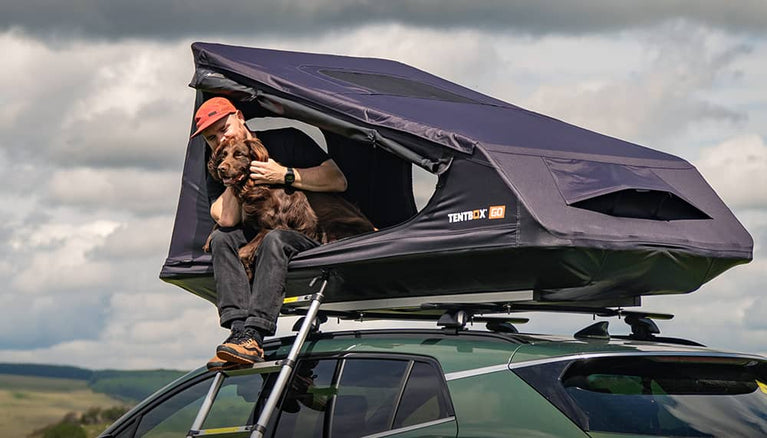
x=290, y=177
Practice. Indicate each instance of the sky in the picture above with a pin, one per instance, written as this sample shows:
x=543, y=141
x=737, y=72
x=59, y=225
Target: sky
x=95, y=113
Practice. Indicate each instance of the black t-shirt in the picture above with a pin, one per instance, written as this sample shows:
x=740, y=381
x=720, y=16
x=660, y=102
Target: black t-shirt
x=288, y=146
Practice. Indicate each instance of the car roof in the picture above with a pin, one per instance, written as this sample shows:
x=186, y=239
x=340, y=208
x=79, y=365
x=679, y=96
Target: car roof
x=461, y=350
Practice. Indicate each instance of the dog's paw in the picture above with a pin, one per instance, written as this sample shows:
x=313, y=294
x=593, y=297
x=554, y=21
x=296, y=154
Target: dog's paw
x=206, y=247
x=248, y=258
x=246, y=254
x=248, y=270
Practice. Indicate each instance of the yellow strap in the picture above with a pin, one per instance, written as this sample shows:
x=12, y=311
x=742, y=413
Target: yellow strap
x=223, y=430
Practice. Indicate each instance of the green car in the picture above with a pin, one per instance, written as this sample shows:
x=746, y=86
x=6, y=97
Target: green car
x=454, y=382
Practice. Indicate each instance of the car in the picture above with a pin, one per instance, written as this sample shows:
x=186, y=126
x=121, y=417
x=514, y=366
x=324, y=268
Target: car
x=450, y=381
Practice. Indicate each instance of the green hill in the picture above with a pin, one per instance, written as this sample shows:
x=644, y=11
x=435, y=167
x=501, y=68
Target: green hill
x=39, y=370
x=33, y=396
x=131, y=385
x=29, y=403
x=125, y=385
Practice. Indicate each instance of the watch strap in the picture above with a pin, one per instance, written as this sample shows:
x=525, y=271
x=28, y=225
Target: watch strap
x=290, y=177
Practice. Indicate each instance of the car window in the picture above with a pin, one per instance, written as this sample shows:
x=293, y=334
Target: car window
x=173, y=416
x=235, y=401
x=355, y=397
x=423, y=399
x=367, y=396
x=304, y=409
x=661, y=396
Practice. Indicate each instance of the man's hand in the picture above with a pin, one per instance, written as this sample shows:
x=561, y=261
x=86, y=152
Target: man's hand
x=267, y=172
x=226, y=211
x=326, y=177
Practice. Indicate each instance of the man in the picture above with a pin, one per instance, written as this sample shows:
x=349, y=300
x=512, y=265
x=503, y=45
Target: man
x=250, y=310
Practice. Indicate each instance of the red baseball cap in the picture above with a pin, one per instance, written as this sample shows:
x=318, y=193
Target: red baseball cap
x=211, y=111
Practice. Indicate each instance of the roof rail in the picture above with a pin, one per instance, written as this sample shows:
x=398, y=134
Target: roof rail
x=455, y=316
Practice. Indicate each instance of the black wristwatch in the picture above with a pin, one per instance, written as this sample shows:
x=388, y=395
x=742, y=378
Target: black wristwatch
x=290, y=177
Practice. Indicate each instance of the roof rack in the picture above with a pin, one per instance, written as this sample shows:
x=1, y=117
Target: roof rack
x=485, y=300
x=455, y=315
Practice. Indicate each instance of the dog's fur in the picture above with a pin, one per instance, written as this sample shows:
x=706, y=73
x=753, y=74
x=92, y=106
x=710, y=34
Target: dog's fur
x=324, y=217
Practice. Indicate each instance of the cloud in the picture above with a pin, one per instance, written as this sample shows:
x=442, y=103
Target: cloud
x=142, y=331
x=754, y=315
x=32, y=321
x=132, y=190
x=737, y=170
x=114, y=138
x=664, y=99
x=138, y=238
x=147, y=19
x=95, y=104
x=53, y=257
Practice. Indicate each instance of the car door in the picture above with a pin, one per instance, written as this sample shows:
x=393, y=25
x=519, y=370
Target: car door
x=366, y=395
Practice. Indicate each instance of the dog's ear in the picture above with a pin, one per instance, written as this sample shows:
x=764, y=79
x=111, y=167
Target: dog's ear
x=213, y=162
x=257, y=149
x=212, y=165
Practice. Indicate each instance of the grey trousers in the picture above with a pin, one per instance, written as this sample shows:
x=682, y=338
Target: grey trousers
x=257, y=303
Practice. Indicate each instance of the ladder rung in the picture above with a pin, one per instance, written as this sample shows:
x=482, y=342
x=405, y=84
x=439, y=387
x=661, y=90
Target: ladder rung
x=261, y=367
x=227, y=432
x=297, y=299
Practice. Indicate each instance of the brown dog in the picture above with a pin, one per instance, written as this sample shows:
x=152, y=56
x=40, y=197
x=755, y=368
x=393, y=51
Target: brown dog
x=324, y=217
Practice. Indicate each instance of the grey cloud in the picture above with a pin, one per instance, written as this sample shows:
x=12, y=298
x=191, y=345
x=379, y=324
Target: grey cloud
x=46, y=320
x=737, y=170
x=139, y=238
x=105, y=105
x=754, y=315
x=130, y=340
x=137, y=191
x=661, y=101
x=149, y=19
x=134, y=274
x=115, y=139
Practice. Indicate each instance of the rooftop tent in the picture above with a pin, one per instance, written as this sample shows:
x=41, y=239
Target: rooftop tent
x=524, y=202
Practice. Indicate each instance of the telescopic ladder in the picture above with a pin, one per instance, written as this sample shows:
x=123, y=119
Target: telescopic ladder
x=285, y=367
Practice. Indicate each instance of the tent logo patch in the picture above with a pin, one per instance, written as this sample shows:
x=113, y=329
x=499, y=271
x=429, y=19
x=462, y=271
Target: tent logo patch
x=492, y=212
x=497, y=211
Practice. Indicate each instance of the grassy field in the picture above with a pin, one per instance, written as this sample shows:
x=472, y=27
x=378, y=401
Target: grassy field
x=30, y=403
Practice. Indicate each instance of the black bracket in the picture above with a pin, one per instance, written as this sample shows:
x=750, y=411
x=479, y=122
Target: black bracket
x=318, y=321
x=499, y=326
x=642, y=327
x=454, y=319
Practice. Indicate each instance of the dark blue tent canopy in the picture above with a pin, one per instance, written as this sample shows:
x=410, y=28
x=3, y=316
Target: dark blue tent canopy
x=524, y=202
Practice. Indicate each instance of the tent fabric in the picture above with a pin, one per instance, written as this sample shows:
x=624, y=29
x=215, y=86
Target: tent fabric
x=523, y=201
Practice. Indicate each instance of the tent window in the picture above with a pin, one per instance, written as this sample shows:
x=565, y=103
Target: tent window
x=620, y=190
x=642, y=204
x=396, y=86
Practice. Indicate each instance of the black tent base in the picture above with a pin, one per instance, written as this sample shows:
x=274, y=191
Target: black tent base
x=204, y=287
x=555, y=276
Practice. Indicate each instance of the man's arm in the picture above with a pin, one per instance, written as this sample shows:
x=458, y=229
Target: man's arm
x=226, y=210
x=326, y=177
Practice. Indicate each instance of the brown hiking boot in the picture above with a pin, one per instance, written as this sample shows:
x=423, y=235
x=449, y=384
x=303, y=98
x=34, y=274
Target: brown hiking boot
x=219, y=364
x=242, y=349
